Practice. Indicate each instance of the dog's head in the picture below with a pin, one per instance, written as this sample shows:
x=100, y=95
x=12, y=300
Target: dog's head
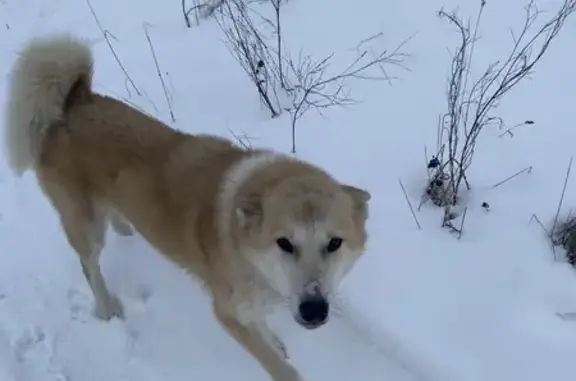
x=304, y=234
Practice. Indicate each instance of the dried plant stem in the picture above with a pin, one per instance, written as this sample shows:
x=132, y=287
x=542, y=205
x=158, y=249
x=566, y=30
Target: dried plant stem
x=410, y=204
x=562, y=197
x=462, y=223
x=527, y=170
x=471, y=103
x=106, y=34
x=159, y=74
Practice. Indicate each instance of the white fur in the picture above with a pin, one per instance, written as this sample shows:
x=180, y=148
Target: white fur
x=310, y=238
x=253, y=309
x=293, y=285
x=237, y=175
x=340, y=269
x=315, y=236
x=290, y=282
x=44, y=72
x=271, y=267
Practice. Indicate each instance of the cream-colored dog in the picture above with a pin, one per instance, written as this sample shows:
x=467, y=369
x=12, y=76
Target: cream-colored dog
x=256, y=227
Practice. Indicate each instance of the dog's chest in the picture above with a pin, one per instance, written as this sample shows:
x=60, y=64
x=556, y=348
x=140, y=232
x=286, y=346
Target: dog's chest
x=256, y=303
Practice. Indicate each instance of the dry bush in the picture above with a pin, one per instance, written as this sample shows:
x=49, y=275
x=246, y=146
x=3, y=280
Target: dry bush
x=564, y=235
x=295, y=85
x=471, y=103
x=250, y=48
x=311, y=86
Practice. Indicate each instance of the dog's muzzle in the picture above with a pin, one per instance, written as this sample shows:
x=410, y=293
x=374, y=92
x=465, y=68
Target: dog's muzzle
x=313, y=311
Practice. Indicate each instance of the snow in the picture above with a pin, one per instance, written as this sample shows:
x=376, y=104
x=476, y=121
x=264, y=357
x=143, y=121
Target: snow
x=420, y=305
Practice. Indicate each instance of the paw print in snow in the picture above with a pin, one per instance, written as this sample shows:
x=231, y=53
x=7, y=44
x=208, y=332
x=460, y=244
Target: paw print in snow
x=27, y=342
x=143, y=293
x=79, y=304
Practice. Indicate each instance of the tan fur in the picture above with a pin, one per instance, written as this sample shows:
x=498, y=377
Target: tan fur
x=209, y=206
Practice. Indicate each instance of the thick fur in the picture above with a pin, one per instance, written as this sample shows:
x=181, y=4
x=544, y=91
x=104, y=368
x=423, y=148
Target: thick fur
x=257, y=227
x=38, y=78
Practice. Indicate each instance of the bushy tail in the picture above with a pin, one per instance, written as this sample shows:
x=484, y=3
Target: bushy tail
x=46, y=71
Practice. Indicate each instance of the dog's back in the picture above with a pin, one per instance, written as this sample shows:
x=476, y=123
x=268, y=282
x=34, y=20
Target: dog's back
x=98, y=160
x=98, y=154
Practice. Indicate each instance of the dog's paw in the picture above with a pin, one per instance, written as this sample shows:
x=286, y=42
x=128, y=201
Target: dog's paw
x=288, y=374
x=111, y=308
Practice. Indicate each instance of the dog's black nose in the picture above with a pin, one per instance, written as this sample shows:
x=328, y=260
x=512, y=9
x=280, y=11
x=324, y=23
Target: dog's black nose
x=314, y=312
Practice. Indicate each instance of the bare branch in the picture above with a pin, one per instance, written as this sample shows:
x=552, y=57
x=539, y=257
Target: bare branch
x=186, y=14
x=471, y=103
x=244, y=140
x=245, y=42
x=462, y=223
x=525, y=170
x=200, y=9
x=159, y=74
x=107, y=36
x=562, y=196
x=278, y=31
x=534, y=217
x=306, y=82
x=517, y=125
x=311, y=88
x=409, y=204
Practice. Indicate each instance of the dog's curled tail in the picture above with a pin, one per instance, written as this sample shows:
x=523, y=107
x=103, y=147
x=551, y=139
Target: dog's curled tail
x=50, y=73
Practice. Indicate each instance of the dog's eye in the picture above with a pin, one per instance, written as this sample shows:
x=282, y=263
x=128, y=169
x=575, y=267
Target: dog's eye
x=334, y=244
x=285, y=245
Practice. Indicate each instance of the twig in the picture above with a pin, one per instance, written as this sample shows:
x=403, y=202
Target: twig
x=105, y=33
x=278, y=29
x=159, y=73
x=245, y=141
x=207, y=8
x=527, y=169
x=311, y=89
x=561, y=197
x=186, y=14
x=548, y=234
x=246, y=44
x=368, y=39
x=462, y=223
x=567, y=316
x=535, y=218
x=509, y=130
x=409, y=204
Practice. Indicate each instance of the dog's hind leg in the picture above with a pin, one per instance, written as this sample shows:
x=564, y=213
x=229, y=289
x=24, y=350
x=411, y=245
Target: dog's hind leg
x=84, y=223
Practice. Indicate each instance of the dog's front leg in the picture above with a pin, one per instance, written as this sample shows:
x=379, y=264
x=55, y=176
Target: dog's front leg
x=254, y=341
x=272, y=338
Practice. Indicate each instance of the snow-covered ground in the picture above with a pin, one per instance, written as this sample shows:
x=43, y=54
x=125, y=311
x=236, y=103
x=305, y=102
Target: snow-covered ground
x=420, y=305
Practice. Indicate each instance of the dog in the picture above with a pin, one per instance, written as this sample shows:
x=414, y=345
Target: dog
x=258, y=228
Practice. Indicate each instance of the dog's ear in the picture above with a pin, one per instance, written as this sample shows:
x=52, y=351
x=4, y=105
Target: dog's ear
x=360, y=198
x=249, y=210
x=358, y=195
